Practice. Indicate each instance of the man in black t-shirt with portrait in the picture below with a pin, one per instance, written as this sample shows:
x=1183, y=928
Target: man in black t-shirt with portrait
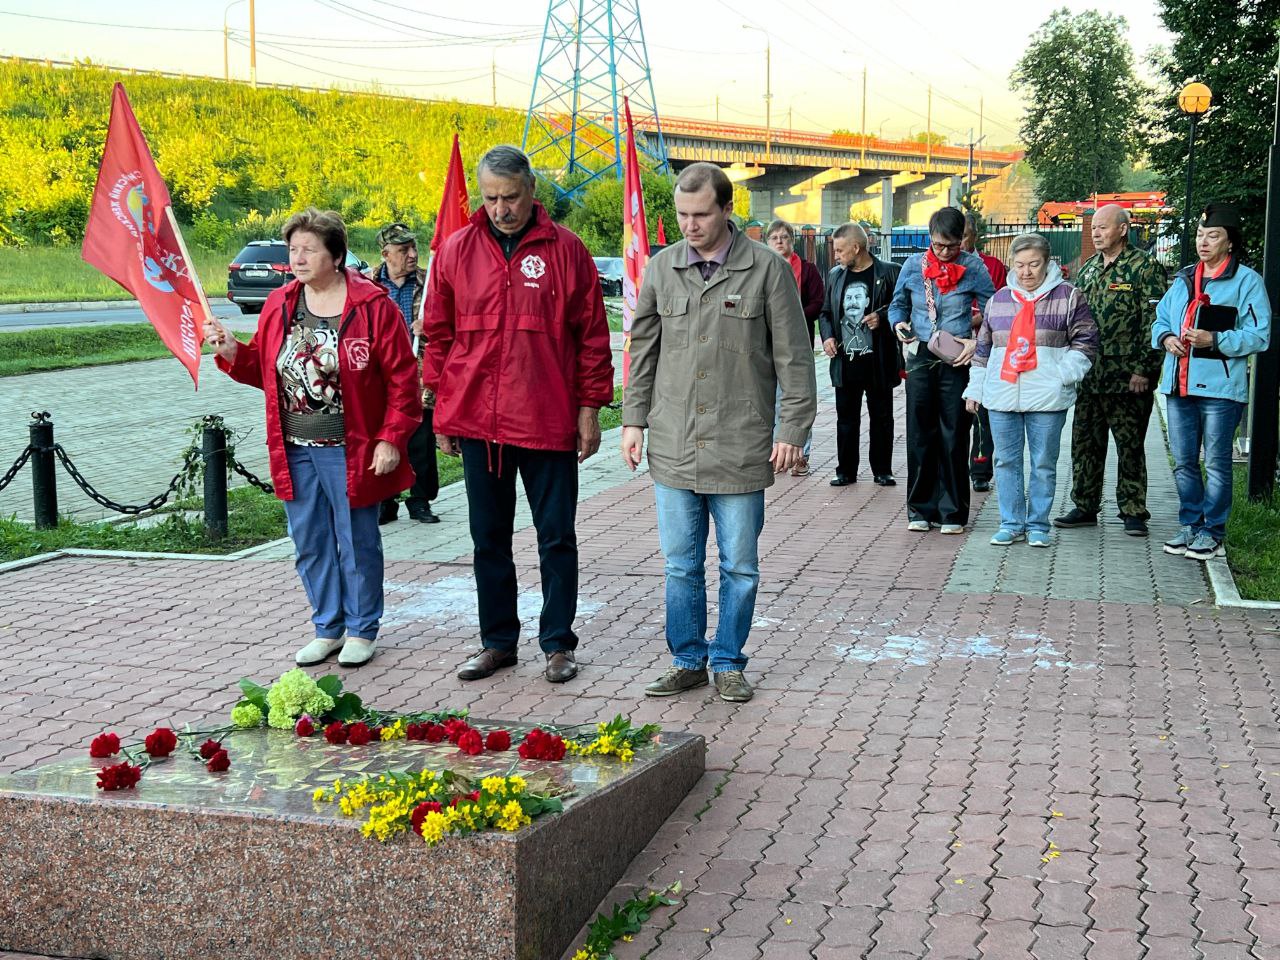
x=865, y=356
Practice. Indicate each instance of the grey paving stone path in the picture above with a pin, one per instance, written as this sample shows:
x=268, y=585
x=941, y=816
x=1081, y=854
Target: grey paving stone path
x=1098, y=563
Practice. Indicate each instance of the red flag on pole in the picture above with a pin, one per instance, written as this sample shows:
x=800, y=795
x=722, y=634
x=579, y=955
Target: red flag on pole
x=133, y=238
x=662, y=234
x=635, y=242
x=455, y=205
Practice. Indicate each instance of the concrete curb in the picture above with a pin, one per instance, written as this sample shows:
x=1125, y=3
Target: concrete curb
x=12, y=308
x=135, y=555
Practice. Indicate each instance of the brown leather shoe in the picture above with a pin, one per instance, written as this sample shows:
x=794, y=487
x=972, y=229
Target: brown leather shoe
x=561, y=666
x=486, y=663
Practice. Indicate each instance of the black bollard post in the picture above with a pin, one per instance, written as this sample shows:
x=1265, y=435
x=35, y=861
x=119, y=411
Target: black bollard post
x=44, y=479
x=214, y=443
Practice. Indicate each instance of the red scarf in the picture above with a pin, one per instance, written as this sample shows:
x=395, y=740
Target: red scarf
x=1020, y=352
x=945, y=275
x=794, y=259
x=1197, y=300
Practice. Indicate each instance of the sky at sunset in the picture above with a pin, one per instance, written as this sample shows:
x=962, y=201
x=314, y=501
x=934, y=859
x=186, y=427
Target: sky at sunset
x=696, y=50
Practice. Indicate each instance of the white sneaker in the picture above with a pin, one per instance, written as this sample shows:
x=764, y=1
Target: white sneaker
x=317, y=651
x=918, y=526
x=952, y=529
x=356, y=652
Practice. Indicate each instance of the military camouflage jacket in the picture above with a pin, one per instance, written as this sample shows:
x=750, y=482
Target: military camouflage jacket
x=1121, y=297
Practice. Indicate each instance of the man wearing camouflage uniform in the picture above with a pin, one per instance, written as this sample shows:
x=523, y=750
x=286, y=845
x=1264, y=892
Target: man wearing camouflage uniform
x=1121, y=285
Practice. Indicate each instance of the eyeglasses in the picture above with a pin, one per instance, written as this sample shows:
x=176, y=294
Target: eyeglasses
x=940, y=247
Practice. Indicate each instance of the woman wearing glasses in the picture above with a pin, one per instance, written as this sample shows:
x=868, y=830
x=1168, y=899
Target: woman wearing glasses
x=932, y=313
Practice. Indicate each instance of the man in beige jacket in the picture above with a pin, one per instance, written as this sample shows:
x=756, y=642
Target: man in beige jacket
x=718, y=327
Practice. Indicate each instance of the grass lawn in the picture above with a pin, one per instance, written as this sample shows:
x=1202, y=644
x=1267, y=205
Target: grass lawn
x=58, y=275
x=253, y=517
x=1253, y=542
x=60, y=348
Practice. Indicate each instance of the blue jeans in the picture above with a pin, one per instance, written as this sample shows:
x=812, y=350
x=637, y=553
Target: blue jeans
x=1211, y=421
x=682, y=533
x=1023, y=507
x=338, y=547
x=777, y=419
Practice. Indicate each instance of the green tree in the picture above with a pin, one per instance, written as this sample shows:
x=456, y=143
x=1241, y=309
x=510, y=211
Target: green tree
x=1083, y=104
x=598, y=218
x=1231, y=46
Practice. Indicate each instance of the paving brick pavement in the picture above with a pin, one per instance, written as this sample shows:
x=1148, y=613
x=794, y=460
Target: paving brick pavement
x=924, y=771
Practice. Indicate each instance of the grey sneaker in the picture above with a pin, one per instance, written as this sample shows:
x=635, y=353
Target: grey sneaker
x=1204, y=547
x=676, y=680
x=733, y=686
x=1178, y=545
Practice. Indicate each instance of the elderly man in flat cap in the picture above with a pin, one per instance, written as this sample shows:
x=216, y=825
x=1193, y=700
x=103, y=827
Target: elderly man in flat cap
x=405, y=282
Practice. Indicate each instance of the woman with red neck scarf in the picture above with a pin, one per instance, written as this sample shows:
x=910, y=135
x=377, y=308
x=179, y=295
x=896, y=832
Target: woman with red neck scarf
x=931, y=314
x=1212, y=319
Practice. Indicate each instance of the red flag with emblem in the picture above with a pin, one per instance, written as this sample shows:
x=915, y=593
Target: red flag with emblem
x=635, y=242
x=133, y=238
x=455, y=205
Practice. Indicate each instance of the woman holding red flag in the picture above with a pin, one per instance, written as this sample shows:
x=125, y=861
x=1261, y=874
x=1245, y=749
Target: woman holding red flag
x=332, y=356
x=1038, y=339
x=1213, y=318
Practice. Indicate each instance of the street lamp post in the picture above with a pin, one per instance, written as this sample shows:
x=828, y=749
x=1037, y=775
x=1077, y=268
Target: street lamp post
x=226, y=56
x=768, y=92
x=1264, y=431
x=1193, y=100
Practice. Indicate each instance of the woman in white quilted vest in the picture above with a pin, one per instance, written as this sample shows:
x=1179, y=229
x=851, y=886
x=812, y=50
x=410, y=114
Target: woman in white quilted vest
x=1037, y=341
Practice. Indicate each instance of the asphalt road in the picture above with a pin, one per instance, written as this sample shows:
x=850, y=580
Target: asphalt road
x=130, y=313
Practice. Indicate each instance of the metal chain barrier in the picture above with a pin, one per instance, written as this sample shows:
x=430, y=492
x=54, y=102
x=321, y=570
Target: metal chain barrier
x=253, y=480
x=153, y=504
x=17, y=466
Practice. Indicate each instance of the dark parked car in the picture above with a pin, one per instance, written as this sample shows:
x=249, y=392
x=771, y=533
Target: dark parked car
x=610, y=270
x=262, y=266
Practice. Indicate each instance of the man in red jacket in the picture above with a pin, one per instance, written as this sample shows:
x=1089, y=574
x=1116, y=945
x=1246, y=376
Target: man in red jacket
x=518, y=356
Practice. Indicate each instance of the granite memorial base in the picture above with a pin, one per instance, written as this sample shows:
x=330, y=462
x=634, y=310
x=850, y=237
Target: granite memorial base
x=243, y=864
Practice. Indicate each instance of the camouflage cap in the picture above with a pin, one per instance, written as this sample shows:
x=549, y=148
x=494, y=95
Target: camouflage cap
x=395, y=233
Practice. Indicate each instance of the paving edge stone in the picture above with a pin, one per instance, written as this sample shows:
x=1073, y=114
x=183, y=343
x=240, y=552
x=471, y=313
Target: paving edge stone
x=137, y=555
x=1224, y=589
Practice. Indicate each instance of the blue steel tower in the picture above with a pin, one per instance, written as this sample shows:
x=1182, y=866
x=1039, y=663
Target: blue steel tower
x=593, y=54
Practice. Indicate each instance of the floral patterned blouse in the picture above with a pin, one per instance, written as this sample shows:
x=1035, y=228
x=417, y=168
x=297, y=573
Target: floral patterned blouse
x=310, y=394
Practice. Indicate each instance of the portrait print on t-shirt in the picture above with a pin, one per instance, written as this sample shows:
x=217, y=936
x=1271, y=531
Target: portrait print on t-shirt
x=854, y=333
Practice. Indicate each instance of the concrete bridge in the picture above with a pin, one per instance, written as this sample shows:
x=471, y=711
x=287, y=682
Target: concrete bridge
x=820, y=178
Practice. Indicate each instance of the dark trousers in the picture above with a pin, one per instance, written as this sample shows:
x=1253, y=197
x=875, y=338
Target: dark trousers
x=422, y=457
x=857, y=378
x=982, y=449
x=1125, y=417
x=551, y=485
x=937, y=440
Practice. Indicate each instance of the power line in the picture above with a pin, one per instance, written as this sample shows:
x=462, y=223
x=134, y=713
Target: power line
x=119, y=26
x=289, y=48
x=360, y=80
x=440, y=16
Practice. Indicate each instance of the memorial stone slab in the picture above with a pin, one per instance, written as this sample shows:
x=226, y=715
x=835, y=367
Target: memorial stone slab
x=192, y=864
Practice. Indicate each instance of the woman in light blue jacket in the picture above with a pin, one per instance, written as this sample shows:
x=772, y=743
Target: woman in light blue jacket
x=1214, y=317
x=1037, y=341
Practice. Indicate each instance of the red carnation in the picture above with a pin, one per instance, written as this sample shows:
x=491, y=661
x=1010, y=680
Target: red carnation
x=540, y=745
x=104, y=745
x=471, y=743
x=415, y=731
x=304, y=727
x=473, y=796
x=119, y=776
x=436, y=733
x=335, y=733
x=420, y=813
x=358, y=734
x=209, y=748
x=497, y=740
x=160, y=742
x=456, y=727
x=375, y=733
x=218, y=762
